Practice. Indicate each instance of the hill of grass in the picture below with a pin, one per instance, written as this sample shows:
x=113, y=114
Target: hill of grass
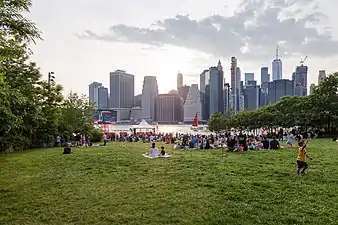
x=117, y=185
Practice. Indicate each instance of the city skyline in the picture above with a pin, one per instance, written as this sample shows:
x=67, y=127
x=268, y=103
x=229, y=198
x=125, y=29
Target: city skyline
x=214, y=95
x=83, y=50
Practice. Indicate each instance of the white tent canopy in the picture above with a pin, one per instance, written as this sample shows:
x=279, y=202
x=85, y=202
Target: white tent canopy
x=143, y=125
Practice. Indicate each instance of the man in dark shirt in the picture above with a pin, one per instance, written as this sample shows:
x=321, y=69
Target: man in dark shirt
x=274, y=144
x=242, y=141
x=231, y=144
x=266, y=143
x=67, y=149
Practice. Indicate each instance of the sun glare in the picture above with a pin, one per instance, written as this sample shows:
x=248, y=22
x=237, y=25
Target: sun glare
x=168, y=64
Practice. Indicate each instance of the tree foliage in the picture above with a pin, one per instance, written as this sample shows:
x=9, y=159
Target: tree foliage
x=32, y=112
x=316, y=111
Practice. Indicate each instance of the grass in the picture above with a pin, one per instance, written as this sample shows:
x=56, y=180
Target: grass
x=117, y=185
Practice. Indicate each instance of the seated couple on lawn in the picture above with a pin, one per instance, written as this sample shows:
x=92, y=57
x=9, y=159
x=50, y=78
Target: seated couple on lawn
x=155, y=153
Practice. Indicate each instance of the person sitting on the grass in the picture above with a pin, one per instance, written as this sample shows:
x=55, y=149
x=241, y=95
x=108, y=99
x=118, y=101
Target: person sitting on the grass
x=153, y=151
x=251, y=145
x=231, y=142
x=162, y=150
x=207, y=144
x=67, y=149
x=274, y=144
x=266, y=143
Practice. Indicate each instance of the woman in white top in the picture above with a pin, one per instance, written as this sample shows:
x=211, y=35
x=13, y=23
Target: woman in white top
x=153, y=151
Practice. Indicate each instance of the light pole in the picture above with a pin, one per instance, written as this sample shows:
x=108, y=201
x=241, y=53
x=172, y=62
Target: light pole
x=51, y=78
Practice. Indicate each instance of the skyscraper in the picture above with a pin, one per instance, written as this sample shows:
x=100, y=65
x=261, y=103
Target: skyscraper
x=321, y=76
x=233, y=74
x=251, y=83
x=293, y=76
x=183, y=92
x=179, y=80
x=168, y=108
x=138, y=101
x=301, y=80
x=265, y=76
x=149, y=93
x=233, y=95
x=252, y=97
x=277, y=67
x=205, y=94
x=93, y=92
x=121, y=89
x=192, y=104
x=216, y=83
x=102, y=98
x=226, y=97
x=239, y=88
x=279, y=89
x=248, y=77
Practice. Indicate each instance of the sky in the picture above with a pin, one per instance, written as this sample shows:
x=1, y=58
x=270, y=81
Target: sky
x=84, y=40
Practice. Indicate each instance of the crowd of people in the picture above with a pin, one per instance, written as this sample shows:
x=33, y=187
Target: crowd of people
x=232, y=141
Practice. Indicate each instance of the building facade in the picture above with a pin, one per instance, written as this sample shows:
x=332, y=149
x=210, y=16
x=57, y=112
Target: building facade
x=279, y=89
x=251, y=83
x=265, y=76
x=204, y=81
x=277, y=69
x=216, y=83
x=248, y=77
x=238, y=90
x=321, y=76
x=233, y=75
x=192, y=104
x=179, y=80
x=93, y=92
x=121, y=89
x=227, y=94
x=103, y=100
x=149, y=93
x=252, y=96
x=301, y=80
x=168, y=108
x=263, y=99
x=183, y=92
x=136, y=114
x=138, y=101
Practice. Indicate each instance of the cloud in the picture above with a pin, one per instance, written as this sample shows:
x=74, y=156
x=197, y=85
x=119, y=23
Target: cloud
x=251, y=33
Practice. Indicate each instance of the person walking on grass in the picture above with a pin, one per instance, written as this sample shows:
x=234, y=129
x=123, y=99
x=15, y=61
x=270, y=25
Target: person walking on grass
x=290, y=139
x=301, y=158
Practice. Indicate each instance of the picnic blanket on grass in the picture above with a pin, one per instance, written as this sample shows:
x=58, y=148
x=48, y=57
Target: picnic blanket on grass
x=160, y=156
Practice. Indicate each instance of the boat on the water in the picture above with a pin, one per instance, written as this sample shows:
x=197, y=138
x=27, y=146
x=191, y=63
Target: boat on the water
x=195, y=126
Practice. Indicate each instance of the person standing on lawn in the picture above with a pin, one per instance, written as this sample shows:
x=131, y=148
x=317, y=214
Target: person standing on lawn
x=301, y=158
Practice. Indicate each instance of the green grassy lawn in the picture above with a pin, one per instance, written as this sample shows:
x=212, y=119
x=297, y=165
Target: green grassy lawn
x=117, y=185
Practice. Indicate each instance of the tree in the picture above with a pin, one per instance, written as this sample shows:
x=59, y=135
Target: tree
x=216, y=123
x=32, y=112
x=317, y=111
x=76, y=116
